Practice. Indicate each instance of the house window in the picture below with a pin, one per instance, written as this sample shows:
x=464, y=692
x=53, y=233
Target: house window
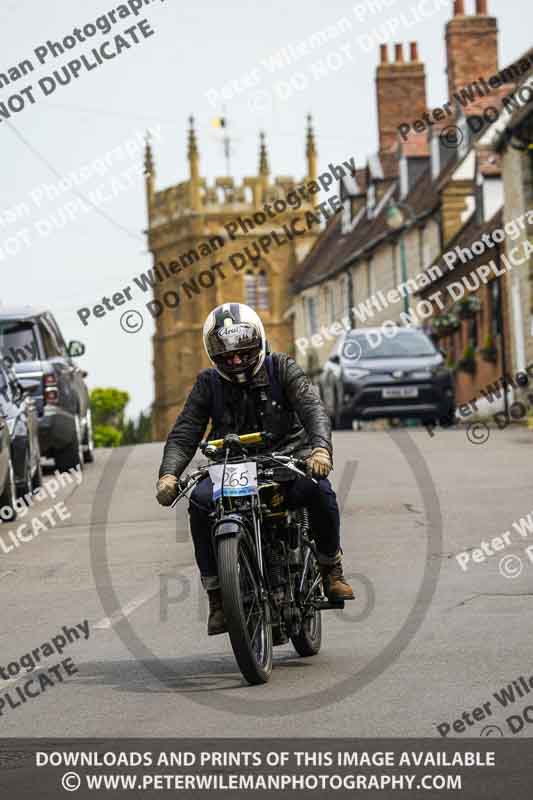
x=250, y=289
x=262, y=291
x=312, y=316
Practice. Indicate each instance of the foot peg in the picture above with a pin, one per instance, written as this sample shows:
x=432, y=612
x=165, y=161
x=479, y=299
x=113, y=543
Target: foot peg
x=324, y=605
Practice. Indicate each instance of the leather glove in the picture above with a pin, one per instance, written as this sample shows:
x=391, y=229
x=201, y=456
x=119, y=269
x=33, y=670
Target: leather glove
x=319, y=463
x=167, y=490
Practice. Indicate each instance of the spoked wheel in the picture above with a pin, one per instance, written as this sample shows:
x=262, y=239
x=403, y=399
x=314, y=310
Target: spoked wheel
x=247, y=616
x=308, y=640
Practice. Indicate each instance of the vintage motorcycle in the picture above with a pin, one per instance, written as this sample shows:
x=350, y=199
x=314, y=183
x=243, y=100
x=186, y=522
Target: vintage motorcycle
x=267, y=562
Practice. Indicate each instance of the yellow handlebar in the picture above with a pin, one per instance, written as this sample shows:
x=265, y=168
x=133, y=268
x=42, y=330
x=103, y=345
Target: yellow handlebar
x=247, y=438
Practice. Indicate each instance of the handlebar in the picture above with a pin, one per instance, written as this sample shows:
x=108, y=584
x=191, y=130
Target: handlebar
x=247, y=438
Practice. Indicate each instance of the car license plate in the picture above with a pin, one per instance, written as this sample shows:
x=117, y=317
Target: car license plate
x=399, y=392
x=239, y=479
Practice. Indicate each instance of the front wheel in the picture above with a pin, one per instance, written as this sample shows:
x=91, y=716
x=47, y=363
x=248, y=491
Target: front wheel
x=308, y=640
x=247, y=614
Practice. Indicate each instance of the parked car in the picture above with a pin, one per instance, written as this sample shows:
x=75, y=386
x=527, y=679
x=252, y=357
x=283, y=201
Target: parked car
x=18, y=410
x=31, y=340
x=369, y=376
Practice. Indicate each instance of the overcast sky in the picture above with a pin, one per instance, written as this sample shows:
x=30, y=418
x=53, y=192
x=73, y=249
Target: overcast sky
x=197, y=49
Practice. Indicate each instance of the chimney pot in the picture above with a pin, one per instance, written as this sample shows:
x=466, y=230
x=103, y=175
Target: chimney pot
x=459, y=8
x=481, y=8
x=384, y=52
x=414, y=51
x=398, y=52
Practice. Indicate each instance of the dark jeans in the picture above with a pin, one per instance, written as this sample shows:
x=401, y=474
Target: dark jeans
x=319, y=499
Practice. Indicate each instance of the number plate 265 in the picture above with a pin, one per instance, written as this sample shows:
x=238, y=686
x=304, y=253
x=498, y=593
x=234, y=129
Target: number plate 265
x=239, y=479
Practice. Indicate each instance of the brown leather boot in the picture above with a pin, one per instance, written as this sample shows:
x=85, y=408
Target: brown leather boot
x=336, y=587
x=216, y=622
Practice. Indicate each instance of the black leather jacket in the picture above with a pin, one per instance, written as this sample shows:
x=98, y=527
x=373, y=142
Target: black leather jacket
x=299, y=423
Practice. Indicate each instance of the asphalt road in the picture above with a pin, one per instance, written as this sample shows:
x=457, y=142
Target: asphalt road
x=424, y=642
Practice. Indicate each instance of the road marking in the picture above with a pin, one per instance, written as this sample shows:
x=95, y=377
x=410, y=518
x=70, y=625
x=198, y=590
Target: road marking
x=129, y=608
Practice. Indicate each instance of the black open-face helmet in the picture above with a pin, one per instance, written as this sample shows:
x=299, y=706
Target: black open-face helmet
x=235, y=341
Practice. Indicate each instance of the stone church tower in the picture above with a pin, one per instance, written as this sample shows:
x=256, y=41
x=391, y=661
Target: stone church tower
x=194, y=272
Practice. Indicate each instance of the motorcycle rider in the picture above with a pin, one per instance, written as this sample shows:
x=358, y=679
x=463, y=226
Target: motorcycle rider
x=248, y=390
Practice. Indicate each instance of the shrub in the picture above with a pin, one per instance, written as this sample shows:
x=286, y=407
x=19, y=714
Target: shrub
x=107, y=436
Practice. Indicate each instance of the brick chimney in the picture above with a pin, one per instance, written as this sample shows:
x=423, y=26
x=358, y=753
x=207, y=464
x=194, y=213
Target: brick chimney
x=401, y=92
x=471, y=45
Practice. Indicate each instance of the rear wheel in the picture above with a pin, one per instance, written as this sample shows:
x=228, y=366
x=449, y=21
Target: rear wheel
x=247, y=615
x=308, y=640
x=71, y=456
x=26, y=487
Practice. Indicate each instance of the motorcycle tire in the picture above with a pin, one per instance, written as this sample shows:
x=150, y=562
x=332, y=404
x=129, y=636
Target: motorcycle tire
x=308, y=640
x=238, y=583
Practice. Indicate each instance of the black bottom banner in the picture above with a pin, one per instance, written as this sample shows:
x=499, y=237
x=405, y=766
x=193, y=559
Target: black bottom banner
x=487, y=769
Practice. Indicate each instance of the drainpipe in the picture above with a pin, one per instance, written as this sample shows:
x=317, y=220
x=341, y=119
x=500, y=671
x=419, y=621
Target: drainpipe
x=503, y=338
x=351, y=300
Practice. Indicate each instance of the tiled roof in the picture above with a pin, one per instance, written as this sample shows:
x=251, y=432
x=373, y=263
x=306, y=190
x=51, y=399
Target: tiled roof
x=334, y=251
x=471, y=231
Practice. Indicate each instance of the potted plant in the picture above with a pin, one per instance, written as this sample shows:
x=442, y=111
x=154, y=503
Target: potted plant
x=489, y=351
x=468, y=307
x=446, y=324
x=467, y=362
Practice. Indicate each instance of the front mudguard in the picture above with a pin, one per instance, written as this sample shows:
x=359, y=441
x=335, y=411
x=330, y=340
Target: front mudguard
x=233, y=525
x=230, y=525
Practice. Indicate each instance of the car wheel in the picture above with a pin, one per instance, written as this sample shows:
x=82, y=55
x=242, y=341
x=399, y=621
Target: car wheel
x=88, y=441
x=71, y=456
x=341, y=421
x=26, y=487
x=37, y=480
x=7, y=498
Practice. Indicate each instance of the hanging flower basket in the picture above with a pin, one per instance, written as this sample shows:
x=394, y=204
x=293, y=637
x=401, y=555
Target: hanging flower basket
x=489, y=351
x=467, y=363
x=468, y=307
x=445, y=325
